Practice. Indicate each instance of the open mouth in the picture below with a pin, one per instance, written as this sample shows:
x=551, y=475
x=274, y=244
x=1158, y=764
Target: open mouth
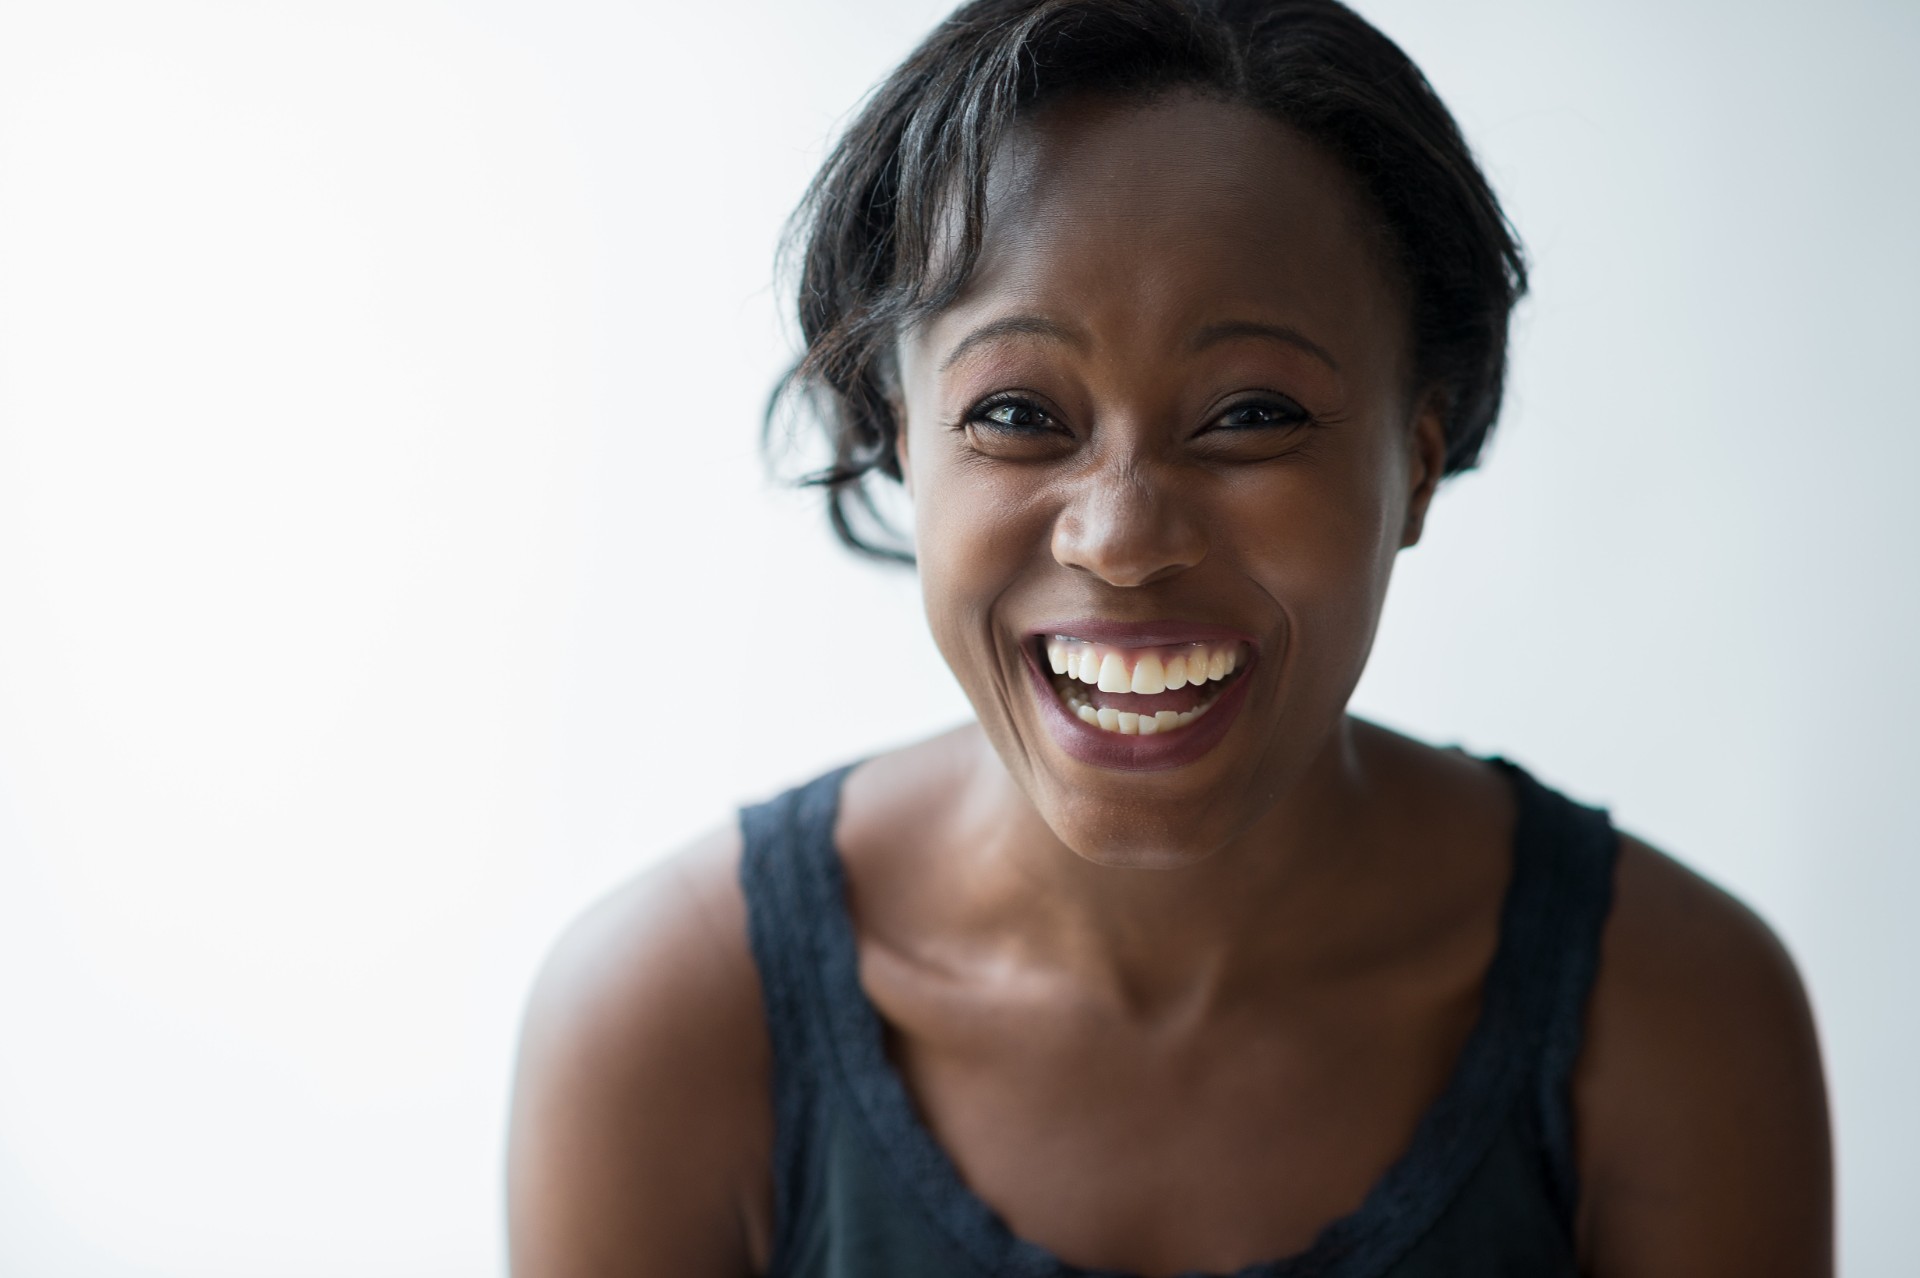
x=1140, y=691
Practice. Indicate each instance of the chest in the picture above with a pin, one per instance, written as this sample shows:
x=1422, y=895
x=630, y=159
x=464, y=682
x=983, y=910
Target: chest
x=1169, y=1146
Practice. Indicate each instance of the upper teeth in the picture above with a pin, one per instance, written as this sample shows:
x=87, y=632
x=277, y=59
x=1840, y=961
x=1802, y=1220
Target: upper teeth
x=1141, y=669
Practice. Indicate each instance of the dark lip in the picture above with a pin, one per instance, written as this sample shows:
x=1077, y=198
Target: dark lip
x=1142, y=634
x=1155, y=753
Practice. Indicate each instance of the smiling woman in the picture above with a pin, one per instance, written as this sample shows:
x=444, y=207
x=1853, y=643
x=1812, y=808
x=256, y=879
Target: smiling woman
x=1171, y=316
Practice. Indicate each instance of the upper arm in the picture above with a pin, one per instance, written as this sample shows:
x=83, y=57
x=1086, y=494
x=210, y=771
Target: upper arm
x=642, y=1115
x=1700, y=1106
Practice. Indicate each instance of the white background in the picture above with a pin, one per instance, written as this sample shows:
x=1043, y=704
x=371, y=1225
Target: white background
x=386, y=568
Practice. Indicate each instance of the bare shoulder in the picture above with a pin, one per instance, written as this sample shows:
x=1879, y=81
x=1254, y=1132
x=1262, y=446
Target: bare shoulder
x=1700, y=1105
x=642, y=1113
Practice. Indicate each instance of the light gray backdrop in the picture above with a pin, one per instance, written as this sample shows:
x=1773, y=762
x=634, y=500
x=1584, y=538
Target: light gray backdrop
x=386, y=570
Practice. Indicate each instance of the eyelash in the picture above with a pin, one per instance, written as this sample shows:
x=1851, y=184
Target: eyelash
x=978, y=414
x=1290, y=413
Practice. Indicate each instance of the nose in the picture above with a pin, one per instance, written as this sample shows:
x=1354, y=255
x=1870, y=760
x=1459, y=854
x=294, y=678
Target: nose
x=1128, y=526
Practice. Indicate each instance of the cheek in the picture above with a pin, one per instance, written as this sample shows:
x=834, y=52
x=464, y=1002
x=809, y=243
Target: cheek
x=975, y=534
x=1326, y=540
x=972, y=516
x=1321, y=543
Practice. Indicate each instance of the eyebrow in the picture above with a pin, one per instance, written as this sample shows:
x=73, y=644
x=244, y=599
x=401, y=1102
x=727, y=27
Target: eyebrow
x=1011, y=326
x=1211, y=335
x=1231, y=329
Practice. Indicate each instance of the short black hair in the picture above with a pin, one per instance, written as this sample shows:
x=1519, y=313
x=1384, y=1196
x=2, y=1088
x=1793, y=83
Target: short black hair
x=924, y=139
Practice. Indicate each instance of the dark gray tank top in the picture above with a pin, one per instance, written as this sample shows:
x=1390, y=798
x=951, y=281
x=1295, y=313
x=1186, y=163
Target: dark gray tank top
x=1484, y=1188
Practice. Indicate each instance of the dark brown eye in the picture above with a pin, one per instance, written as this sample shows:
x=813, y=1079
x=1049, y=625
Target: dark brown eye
x=1262, y=414
x=1015, y=416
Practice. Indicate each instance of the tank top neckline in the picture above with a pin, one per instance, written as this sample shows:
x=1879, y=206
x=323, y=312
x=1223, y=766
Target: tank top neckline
x=1489, y=1076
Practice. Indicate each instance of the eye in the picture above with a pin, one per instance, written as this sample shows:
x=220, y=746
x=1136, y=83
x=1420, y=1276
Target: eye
x=1012, y=426
x=1278, y=413
x=1012, y=416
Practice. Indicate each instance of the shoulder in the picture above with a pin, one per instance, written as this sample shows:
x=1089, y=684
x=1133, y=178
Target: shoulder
x=642, y=1121
x=1700, y=1106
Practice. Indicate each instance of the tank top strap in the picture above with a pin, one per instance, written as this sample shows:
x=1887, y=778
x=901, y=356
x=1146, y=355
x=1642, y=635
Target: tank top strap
x=791, y=878
x=1557, y=906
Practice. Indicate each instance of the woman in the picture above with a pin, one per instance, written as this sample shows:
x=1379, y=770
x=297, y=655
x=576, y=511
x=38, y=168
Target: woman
x=1171, y=315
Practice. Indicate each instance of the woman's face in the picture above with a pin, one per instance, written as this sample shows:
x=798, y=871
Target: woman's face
x=1163, y=449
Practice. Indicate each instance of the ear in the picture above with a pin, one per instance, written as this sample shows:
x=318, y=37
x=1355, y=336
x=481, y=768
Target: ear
x=899, y=411
x=1427, y=461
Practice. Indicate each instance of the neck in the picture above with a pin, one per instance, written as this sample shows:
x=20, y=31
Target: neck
x=1171, y=943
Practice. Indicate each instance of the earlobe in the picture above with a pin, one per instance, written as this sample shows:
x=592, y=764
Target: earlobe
x=1427, y=459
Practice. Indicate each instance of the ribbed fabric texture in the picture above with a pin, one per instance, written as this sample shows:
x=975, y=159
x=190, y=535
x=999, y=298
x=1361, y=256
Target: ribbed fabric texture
x=1486, y=1186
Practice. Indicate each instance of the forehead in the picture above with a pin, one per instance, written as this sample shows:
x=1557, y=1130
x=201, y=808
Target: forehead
x=1138, y=221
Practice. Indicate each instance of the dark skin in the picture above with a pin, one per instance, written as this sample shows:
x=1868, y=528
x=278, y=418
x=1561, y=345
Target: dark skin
x=1180, y=1019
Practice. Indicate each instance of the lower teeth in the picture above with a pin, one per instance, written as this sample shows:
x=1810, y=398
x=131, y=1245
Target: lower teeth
x=1127, y=723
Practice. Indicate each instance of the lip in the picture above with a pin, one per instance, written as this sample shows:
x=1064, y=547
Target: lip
x=1142, y=634
x=1102, y=749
